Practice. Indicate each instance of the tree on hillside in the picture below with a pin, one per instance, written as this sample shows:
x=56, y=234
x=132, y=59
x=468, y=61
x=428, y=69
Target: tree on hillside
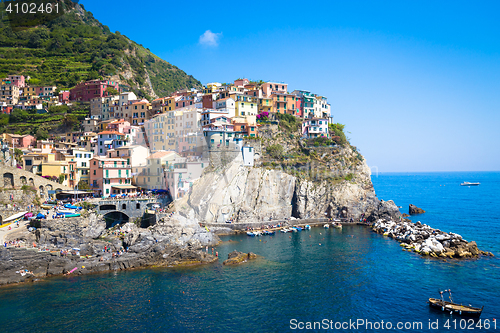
x=82, y=185
x=111, y=91
x=42, y=134
x=70, y=121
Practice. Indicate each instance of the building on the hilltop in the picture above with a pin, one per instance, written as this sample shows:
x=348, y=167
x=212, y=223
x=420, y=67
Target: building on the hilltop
x=90, y=124
x=85, y=91
x=227, y=105
x=139, y=113
x=152, y=175
x=9, y=93
x=269, y=88
x=17, y=80
x=102, y=107
x=315, y=127
x=56, y=169
x=79, y=167
x=182, y=173
x=110, y=140
x=245, y=126
x=42, y=92
x=187, y=124
x=64, y=97
x=135, y=155
x=246, y=106
x=111, y=176
x=19, y=141
x=218, y=134
x=248, y=156
x=314, y=106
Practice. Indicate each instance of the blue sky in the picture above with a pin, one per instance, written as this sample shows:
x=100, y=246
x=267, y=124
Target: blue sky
x=417, y=84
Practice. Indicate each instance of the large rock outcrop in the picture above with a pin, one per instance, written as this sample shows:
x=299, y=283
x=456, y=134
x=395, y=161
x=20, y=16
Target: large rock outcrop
x=414, y=210
x=252, y=194
x=65, y=244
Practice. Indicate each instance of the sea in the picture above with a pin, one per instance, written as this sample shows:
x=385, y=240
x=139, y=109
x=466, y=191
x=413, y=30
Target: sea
x=349, y=280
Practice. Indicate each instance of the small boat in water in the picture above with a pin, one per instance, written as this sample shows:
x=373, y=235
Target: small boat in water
x=469, y=184
x=337, y=225
x=251, y=234
x=462, y=310
x=326, y=226
x=307, y=227
x=284, y=230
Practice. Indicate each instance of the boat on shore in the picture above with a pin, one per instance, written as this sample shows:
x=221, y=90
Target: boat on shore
x=251, y=234
x=460, y=309
x=469, y=184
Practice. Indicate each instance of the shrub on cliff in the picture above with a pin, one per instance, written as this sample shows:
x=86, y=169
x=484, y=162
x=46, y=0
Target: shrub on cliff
x=275, y=151
x=288, y=122
x=337, y=132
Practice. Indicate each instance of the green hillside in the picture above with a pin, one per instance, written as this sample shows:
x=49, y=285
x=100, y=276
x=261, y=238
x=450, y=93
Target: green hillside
x=67, y=48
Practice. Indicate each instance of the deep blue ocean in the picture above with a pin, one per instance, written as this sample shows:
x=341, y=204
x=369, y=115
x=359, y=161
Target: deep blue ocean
x=310, y=276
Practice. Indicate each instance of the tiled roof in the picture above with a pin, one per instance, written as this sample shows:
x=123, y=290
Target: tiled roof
x=160, y=154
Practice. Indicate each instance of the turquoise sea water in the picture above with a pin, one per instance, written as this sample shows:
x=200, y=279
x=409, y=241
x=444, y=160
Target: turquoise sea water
x=337, y=275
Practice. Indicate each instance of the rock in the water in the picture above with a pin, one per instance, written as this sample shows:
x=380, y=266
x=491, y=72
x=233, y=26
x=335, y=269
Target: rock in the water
x=414, y=210
x=236, y=258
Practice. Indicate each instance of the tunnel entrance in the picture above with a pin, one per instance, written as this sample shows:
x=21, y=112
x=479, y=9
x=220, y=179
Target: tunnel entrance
x=115, y=218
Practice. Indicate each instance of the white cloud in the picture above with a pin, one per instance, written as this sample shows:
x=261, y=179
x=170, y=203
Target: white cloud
x=210, y=39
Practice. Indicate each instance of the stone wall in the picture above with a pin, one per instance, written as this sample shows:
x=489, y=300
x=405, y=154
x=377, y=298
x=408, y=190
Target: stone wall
x=133, y=208
x=14, y=178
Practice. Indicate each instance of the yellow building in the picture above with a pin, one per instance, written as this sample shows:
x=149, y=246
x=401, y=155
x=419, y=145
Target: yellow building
x=265, y=104
x=170, y=103
x=55, y=169
x=246, y=106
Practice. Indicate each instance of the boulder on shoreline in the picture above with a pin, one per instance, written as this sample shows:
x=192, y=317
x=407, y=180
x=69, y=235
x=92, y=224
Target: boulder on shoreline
x=236, y=258
x=414, y=210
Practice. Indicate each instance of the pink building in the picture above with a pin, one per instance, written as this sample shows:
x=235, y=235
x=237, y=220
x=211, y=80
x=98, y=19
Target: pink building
x=120, y=126
x=85, y=91
x=241, y=82
x=17, y=80
x=20, y=141
x=64, y=96
x=269, y=88
x=111, y=176
x=7, y=109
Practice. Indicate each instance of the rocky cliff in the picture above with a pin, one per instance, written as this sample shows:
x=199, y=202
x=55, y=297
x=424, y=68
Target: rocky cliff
x=251, y=194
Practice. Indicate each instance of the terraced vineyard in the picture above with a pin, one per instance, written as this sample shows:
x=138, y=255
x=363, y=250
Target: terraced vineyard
x=66, y=49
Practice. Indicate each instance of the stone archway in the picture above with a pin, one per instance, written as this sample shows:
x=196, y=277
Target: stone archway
x=8, y=180
x=31, y=182
x=114, y=218
x=48, y=187
x=41, y=190
x=23, y=180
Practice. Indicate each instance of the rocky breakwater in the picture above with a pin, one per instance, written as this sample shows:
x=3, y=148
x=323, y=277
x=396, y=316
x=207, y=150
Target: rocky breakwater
x=236, y=258
x=77, y=245
x=427, y=241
